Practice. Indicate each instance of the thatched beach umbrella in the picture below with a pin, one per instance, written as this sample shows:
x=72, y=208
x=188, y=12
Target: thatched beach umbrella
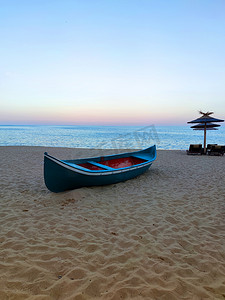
x=205, y=123
x=208, y=126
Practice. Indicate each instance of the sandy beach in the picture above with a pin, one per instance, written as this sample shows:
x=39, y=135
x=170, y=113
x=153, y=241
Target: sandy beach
x=158, y=236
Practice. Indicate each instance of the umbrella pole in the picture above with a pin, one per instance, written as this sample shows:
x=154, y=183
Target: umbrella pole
x=205, y=139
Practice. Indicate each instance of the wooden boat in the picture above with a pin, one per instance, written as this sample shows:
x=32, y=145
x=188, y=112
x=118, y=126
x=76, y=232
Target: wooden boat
x=62, y=175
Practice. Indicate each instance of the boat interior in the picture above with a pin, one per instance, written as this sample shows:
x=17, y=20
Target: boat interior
x=112, y=164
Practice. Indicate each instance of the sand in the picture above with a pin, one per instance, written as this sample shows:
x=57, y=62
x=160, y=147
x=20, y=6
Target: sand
x=158, y=236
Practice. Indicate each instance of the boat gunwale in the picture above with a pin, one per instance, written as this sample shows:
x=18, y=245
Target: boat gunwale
x=75, y=167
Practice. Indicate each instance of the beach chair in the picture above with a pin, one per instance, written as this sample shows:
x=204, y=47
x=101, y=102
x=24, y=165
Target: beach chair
x=209, y=147
x=216, y=150
x=195, y=149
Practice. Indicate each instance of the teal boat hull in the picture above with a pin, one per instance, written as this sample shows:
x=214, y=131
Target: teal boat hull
x=63, y=175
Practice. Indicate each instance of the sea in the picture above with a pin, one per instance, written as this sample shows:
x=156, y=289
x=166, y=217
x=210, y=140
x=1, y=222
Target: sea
x=107, y=137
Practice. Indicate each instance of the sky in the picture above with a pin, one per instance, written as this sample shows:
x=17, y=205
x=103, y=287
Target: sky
x=111, y=62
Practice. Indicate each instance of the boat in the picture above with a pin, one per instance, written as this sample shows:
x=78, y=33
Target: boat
x=63, y=175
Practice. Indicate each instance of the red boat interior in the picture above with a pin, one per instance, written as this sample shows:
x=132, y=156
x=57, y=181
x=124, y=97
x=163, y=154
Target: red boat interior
x=89, y=166
x=116, y=163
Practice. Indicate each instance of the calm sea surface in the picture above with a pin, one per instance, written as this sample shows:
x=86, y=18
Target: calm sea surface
x=101, y=137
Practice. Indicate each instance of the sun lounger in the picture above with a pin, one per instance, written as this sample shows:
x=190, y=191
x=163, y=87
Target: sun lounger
x=216, y=150
x=195, y=149
x=209, y=147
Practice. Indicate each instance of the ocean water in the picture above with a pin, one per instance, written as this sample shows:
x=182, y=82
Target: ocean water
x=107, y=137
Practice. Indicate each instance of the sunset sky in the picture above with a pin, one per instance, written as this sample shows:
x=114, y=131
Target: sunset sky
x=111, y=61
